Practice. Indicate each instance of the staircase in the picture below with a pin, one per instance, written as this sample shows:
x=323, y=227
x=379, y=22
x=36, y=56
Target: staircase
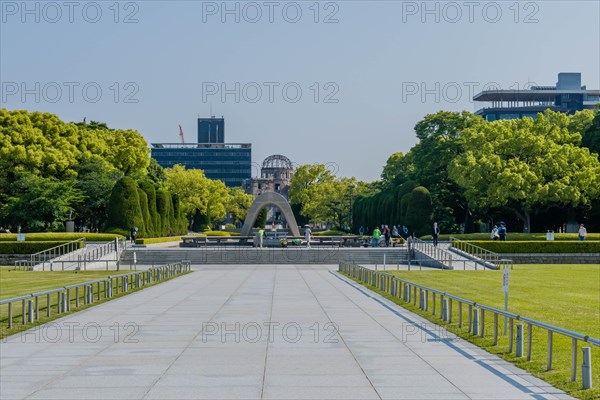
x=250, y=255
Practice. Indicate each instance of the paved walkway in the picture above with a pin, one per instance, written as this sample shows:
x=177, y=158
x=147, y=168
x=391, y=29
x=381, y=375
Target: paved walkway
x=207, y=335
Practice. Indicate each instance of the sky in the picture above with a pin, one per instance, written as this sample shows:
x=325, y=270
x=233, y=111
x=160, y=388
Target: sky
x=335, y=82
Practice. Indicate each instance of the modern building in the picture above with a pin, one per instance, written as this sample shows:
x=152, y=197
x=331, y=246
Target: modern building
x=211, y=130
x=228, y=162
x=568, y=96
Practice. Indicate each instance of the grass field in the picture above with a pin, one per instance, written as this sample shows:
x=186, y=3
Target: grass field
x=564, y=295
x=17, y=283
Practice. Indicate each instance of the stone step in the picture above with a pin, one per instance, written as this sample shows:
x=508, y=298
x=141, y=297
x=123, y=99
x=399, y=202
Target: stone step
x=266, y=256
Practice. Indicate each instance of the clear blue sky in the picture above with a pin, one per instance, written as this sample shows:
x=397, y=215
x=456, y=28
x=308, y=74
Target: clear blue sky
x=176, y=50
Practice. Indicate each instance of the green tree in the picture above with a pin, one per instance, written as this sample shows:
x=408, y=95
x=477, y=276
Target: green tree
x=238, y=203
x=524, y=164
x=40, y=203
x=191, y=187
x=95, y=179
x=261, y=219
x=591, y=136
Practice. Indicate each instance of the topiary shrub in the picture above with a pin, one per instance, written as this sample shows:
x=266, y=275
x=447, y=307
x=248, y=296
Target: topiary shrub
x=163, y=207
x=124, y=209
x=148, y=225
x=419, y=213
x=150, y=191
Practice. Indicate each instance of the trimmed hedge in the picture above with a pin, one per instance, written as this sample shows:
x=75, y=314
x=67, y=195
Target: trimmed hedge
x=60, y=236
x=29, y=247
x=515, y=236
x=537, y=246
x=331, y=233
x=218, y=233
x=158, y=240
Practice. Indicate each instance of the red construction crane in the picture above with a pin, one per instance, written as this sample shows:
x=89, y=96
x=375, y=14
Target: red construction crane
x=181, y=135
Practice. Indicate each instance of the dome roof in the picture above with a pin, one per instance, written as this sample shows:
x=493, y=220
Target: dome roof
x=277, y=161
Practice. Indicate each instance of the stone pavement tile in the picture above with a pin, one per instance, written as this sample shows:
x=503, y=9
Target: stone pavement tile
x=319, y=393
x=200, y=393
x=222, y=369
x=395, y=393
x=322, y=380
x=171, y=380
x=107, y=393
x=104, y=381
x=430, y=383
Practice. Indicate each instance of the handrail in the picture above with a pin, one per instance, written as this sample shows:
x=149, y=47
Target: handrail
x=407, y=291
x=442, y=256
x=41, y=257
x=138, y=279
x=480, y=255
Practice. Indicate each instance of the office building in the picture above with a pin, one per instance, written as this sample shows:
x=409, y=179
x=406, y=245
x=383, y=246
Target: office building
x=568, y=96
x=228, y=162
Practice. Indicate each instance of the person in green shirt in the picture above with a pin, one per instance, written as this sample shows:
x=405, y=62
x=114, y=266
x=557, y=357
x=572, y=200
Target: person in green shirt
x=376, y=236
x=261, y=234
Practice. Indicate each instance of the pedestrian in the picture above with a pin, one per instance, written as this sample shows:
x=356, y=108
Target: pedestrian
x=133, y=232
x=387, y=235
x=361, y=231
x=395, y=233
x=494, y=234
x=307, y=234
x=435, y=233
x=582, y=232
x=376, y=236
x=261, y=235
x=502, y=231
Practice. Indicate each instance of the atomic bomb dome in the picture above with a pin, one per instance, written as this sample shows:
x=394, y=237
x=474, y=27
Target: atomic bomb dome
x=275, y=175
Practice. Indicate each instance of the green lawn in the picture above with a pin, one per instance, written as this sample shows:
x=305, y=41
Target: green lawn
x=17, y=283
x=564, y=295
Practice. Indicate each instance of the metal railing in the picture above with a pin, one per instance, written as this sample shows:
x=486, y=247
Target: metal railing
x=443, y=257
x=73, y=256
x=85, y=292
x=411, y=293
x=44, y=256
x=485, y=257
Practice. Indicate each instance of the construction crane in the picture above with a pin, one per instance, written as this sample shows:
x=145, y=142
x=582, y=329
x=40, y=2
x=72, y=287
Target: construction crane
x=181, y=135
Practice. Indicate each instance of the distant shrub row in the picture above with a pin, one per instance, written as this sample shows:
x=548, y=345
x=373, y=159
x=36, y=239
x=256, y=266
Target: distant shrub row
x=29, y=247
x=512, y=236
x=56, y=236
x=178, y=238
x=538, y=246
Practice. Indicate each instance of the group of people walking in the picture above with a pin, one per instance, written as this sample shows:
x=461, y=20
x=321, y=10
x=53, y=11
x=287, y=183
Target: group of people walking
x=388, y=234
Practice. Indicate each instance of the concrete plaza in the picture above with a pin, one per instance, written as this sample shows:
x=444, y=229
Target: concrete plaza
x=254, y=332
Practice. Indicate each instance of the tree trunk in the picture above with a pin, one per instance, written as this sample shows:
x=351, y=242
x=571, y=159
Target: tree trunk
x=524, y=216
